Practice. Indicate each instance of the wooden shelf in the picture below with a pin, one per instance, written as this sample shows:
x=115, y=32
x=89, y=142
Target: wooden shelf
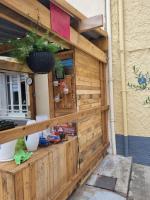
x=11, y=64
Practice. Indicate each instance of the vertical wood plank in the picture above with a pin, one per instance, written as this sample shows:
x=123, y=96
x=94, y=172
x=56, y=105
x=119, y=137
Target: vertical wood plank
x=104, y=119
x=32, y=107
x=56, y=170
x=26, y=184
x=19, y=189
x=41, y=180
x=33, y=180
x=1, y=186
x=8, y=187
x=62, y=165
x=50, y=175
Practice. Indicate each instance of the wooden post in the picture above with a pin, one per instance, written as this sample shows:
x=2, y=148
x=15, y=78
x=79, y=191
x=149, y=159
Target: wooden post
x=104, y=113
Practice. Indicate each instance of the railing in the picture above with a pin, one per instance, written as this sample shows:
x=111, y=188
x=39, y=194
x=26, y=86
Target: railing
x=11, y=134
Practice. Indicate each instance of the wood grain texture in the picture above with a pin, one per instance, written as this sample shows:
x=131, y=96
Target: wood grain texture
x=32, y=107
x=103, y=86
x=41, y=177
x=51, y=173
x=88, y=86
x=11, y=64
x=21, y=131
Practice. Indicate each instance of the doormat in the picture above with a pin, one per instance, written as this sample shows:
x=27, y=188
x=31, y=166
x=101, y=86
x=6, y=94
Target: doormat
x=105, y=182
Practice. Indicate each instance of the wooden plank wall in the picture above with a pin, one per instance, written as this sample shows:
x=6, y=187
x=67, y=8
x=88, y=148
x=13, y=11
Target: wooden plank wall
x=43, y=176
x=88, y=87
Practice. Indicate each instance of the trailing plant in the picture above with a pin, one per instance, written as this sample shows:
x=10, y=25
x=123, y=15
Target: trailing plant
x=143, y=82
x=59, y=69
x=22, y=47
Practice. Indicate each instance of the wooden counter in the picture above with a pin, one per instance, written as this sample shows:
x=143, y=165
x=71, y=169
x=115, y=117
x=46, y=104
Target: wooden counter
x=42, y=176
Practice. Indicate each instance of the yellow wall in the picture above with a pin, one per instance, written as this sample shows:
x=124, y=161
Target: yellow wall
x=136, y=24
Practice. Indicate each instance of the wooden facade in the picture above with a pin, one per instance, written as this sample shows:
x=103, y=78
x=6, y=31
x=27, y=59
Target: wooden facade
x=54, y=172
x=88, y=92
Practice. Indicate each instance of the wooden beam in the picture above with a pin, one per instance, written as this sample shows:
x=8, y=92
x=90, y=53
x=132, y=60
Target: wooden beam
x=77, y=14
x=37, y=13
x=105, y=108
x=90, y=23
x=4, y=48
x=101, y=43
x=11, y=64
x=32, y=107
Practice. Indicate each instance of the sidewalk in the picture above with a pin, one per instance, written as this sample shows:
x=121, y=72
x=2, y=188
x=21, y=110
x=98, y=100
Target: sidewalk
x=116, y=178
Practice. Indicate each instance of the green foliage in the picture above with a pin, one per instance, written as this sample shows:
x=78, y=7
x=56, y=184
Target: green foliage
x=22, y=47
x=59, y=68
x=147, y=101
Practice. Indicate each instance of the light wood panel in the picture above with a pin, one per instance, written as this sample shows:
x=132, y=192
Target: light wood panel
x=12, y=64
x=88, y=96
x=41, y=177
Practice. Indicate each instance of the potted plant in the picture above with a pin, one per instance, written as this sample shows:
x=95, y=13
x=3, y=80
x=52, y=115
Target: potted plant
x=36, y=51
x=59, y=70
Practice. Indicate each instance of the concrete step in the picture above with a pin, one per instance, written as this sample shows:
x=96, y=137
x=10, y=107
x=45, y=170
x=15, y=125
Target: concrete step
x=140, y=183
x=117, y=167
x=92, y=193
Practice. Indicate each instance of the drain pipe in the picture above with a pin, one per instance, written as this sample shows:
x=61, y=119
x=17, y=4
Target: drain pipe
x=123, y=74
x=112, y=134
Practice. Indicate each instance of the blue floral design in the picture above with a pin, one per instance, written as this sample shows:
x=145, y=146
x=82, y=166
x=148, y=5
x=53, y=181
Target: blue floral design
x=142, y=80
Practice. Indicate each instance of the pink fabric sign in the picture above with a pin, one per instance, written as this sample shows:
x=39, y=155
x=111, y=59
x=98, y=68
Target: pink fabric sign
x=60, y=21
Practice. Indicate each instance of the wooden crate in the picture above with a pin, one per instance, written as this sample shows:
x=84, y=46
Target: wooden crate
x=67, y=103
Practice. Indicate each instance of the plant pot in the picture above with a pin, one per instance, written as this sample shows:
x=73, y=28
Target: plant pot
x=41, y=62
x=7, y=151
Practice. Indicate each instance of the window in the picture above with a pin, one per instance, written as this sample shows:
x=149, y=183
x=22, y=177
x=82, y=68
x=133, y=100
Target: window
x=14, y=95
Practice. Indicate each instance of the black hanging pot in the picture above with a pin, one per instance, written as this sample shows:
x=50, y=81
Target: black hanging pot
x=41, y=62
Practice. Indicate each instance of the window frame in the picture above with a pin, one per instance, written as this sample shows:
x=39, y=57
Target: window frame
x=29, y=97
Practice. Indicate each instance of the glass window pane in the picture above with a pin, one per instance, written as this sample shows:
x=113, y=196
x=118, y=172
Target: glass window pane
x=8, y=94
x=23, y=92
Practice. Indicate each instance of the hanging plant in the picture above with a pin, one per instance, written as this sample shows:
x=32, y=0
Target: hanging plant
x=143, y=82
x=36, y=51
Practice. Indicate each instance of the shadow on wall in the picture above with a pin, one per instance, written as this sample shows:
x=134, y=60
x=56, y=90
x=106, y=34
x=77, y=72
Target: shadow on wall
x=138, y=148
